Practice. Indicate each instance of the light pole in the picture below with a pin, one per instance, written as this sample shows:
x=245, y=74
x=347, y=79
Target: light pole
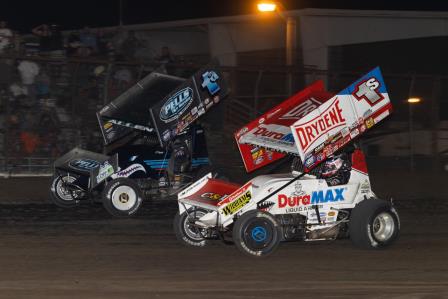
x=411, y=102
x=291, y=40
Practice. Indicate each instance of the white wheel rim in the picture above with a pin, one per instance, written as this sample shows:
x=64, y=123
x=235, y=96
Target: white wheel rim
x=124, y=198
x=192, y=231
x=62, y=192
x=383, y=226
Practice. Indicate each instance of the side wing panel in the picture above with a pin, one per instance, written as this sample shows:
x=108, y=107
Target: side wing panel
x=268, y=138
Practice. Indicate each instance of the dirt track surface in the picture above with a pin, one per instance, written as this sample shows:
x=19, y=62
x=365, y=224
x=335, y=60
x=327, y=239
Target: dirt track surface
x=49, y=252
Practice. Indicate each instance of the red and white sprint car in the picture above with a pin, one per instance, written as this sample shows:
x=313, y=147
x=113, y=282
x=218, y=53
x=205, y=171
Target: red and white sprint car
x=326, y=196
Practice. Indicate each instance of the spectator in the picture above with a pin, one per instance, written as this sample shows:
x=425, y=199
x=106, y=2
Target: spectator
x=102, y=42
x=73, y=44
x=89, y=43
x=132, y=44
x=28, y=71
x=165, y=59
x=5, y=37
x=117, y=43
x=165, y=56
x=50, y=39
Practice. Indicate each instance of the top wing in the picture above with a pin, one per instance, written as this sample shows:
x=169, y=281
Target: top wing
x=314, y=125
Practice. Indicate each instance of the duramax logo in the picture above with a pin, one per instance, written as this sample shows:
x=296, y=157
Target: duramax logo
x=317, y=197
x=176, y=105
x=83, y=164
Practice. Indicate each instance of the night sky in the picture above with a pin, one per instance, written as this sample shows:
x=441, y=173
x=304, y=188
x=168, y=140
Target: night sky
x=24, y=15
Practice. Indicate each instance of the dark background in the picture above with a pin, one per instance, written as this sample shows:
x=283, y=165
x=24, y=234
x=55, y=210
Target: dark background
x=24, y=15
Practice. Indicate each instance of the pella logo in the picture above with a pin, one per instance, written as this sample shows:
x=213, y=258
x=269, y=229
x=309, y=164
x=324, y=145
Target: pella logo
x=83, y=164
x=310, y=131
x=176, y=105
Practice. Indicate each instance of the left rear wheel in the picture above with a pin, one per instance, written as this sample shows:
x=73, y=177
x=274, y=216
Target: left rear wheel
x=61, y=195
x=187, y=232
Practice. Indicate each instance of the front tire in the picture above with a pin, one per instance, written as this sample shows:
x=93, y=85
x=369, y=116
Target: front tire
x=122, y=197
x=374, y=224
x=61, y=195
x=256, y=233
x=186, y=232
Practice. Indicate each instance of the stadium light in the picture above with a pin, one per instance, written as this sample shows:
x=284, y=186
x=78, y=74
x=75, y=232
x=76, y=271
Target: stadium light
x=414, y=100
x=267, y=6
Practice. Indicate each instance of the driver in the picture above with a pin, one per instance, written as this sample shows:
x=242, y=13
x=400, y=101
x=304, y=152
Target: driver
x=337, y=168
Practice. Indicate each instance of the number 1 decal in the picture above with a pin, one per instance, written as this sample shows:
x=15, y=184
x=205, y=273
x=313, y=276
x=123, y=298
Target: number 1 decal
x=368, y=90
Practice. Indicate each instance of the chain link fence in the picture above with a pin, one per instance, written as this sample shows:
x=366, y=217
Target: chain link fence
x=45, y=113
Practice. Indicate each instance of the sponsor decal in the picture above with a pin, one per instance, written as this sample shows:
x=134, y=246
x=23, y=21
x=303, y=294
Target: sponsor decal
x=298, y=191
x=259, y=154
x=330, y=195
x=370, y=123
x=129, y=170
x=319, y=148
x=367, y=90
x=331, y=118
x=292, y=201
x=107, y=125
x=264, y=132
x=367, y=113
x=301, y=110
x=354, y=133
x=365, y=187
x=212, y=196
x=235, y=194
x=166, y=135
x=320, y=157
x=176, y=105
x=237, y=204
x=130, y=125
x=83, y=164
x=104, y=172
x=310, y=161
x=209, y=79
x=316, y=197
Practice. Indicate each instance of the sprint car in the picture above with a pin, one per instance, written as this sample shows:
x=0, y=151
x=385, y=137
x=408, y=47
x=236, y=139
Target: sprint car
x=152, y=145
x=327, y=195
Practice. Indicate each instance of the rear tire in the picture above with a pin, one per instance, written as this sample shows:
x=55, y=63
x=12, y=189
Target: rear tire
x=122, y=197
x=374, y=224
x=60, y=195
x=256, y=233
x=186, y=232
